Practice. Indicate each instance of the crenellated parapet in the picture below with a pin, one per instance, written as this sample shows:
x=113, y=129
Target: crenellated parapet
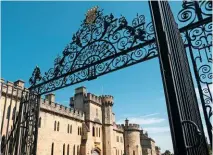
x=107, y=100
x=81, y=93
x=61, y=110
x=119, y=127
x=135, y=127
x=92, y=98
x=12, y=89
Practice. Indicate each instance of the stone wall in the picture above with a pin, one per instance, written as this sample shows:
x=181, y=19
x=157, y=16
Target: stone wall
x=148, y=144
x=9, y=103
x=87, y=126
x=49, y=134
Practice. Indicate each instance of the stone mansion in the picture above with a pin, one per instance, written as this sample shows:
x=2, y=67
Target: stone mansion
x=87, y=127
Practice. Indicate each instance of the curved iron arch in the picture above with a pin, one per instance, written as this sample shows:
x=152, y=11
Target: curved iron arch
x=103, y=45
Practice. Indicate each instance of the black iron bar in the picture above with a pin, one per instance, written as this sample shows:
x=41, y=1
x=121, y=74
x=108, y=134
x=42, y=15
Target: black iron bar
x=169, y=87
x=37, y=112
x=85, y=79
x=8, y=117
x=123, y=52
x=5, y=103
x=23, y=123
x=18, y=124
x=179, y=76
x=181, y=83
x=195, y=24
x=197, y=78
x=198, y=10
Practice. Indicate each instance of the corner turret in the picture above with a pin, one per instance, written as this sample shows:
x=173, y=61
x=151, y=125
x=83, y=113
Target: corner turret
x=107, y=100
x=107, y=119
x=132, y=138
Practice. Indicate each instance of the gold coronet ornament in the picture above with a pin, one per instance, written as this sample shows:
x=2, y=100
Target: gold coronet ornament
x=91, y=15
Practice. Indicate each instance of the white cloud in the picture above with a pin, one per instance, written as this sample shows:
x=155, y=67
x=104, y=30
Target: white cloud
x=154, y=130
x=150, y=115
x=161, y=134
x=144, y=120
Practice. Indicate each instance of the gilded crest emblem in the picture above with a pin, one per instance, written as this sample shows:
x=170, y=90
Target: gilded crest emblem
x=91, y=15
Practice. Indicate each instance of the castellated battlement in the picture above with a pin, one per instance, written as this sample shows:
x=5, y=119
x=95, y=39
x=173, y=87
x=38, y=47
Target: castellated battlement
x=133, y=127
x=93, y=98
x=107, y=99
x=119, y=127
x=61, y=110
x=12, y=88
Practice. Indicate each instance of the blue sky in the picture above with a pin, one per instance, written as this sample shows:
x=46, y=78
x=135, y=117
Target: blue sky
x=34, y=33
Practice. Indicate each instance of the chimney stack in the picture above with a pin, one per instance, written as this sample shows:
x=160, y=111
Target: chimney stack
x=19, y=83
x=50, y=97
x=81, y=90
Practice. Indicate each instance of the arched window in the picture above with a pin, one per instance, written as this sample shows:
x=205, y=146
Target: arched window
x=68, y=128
x=64, y=149
x=55, y=126
x=133, y=152
x=78, y=150
x=68, y=149
x=14, y=112
x=99, y=132
x=74, y=150
x=52, y=149
x=8, y=111
x=93, y=131
x=39, y=122
x=58, y=126
x=78, y=130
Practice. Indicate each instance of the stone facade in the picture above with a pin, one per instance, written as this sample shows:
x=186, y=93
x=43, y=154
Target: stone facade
x=148, y=144
x=87, y=127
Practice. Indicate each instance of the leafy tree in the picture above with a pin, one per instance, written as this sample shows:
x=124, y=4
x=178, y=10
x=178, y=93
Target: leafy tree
x=167, y=152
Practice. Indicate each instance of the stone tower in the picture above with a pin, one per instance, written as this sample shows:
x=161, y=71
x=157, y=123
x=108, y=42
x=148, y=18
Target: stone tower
x=78, y=101
x=107, y=119
x=132, y=139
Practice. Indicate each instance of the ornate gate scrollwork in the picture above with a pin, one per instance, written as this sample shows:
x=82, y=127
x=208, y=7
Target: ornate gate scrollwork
x=197, y=36
x=103, y=44
x=185, y=121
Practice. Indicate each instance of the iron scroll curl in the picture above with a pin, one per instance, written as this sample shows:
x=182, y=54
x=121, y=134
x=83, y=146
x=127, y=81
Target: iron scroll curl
x=196, y=16
x=102, y=44
x=197, y=131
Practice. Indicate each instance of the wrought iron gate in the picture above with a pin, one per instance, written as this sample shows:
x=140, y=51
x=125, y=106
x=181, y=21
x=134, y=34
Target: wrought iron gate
x=197, y=36
x=21, y=139
x=105, y=44
x=186, y=126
